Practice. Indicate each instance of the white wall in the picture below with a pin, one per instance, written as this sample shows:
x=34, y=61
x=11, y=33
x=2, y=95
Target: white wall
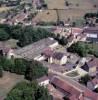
x=44, y=83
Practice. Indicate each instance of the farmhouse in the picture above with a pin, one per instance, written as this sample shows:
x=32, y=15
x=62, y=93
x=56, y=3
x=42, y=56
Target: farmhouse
x=93, y=84
x=33, y=50
x=91, y=34
x=55, y=57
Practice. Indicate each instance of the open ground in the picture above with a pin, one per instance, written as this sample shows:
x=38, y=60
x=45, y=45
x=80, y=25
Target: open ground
x=75, y=10
x=64, y=15
x=7, y=82
x=79, y=4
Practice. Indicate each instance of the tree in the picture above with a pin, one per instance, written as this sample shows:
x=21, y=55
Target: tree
x=67, y=3
x=3, y=35
x=1, y=71
x=35, y=70
x=80, y=48
x=85, y=79
x=96, y=90
x=28, y=91
x=20, y=66
x=63, y=41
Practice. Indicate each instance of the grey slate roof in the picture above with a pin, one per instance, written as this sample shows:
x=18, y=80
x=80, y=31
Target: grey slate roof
x=35, y=49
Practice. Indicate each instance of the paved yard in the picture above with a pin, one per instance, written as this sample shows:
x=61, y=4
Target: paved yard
x=7, y=82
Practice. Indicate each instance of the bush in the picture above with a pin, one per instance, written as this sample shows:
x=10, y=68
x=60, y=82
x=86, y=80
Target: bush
x=28, y=91
x=3, y=35
x=1, y=72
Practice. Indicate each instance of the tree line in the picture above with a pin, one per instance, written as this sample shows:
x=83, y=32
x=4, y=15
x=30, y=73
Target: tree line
x=30, y=69
x=83, y=49
x=25, y=35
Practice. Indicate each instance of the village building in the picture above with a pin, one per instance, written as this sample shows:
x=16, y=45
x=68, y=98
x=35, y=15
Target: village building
x=91, y=34
x=43, y=81
x=93, y=84
x=54, y=57
x=34, y=50
x=73, y=90
x=91, y=66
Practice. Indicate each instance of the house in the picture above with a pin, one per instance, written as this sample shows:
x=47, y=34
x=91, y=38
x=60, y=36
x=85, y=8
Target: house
x=76, y=31
x=59, y=58
x=65, y=88
x=91, y=66
x=91, y=34
x=5, y=49
x=43, y=81
x=33, y=50
x=72, y=89
x=73, y=58
x=54, y=57
x=19, y=18
x=93, y=84
x=56, y=94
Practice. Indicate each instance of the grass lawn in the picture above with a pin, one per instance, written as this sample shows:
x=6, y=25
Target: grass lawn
x=12, y=43
x=8, y=81
x=73, y=74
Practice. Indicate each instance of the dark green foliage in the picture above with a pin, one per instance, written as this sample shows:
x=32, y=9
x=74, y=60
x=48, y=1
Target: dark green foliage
x=66, y=98
x=35, y=70
x=28, y=91
x=14, y=65
x=3, y=35
x=91, y=15
x=79, y=48
x=25, y=35
x=85, y=79
x=31, y=70
x=1, y=71
x=62, y=40
x=84, y=48
x=96, y=90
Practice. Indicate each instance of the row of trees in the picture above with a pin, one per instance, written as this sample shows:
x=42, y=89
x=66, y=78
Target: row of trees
x=30, y=69
x=28, y=91
x=25, y=35
x=83, y=49
x=91, y=15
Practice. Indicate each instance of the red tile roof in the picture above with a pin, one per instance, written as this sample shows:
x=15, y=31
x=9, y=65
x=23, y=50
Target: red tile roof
x=48, y=52
x=66, y=87
x=93, y=62
x=74, y=91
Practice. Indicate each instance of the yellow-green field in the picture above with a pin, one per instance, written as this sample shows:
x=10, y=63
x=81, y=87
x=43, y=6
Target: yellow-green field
x=4, y=9
x=51, y=15
x=80, y=4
